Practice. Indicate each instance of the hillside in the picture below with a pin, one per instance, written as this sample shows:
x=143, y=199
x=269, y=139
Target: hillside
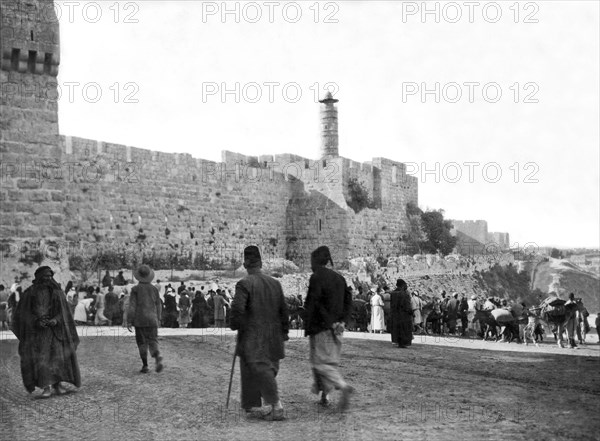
x=563, y=277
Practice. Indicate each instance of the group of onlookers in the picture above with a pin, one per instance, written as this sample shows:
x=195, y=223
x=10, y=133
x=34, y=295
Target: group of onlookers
x=107, y=305
x=188, y=307
x=451, y=315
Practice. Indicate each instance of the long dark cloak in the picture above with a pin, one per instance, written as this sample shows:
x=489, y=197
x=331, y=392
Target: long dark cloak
x=199, y=312
x=48, y=355
x=402, y=318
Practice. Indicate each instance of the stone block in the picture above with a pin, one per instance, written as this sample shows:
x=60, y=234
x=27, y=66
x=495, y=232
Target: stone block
x=38, y=196
x=56, y=219
x=7, y=232
x=28, y=232
x=29, y=184
x=52, y=232
x=56, y=196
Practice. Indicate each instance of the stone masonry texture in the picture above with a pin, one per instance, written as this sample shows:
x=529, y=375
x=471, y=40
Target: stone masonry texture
x=79, y=194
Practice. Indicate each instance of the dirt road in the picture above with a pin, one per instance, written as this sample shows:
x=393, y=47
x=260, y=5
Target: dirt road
x=449, y=390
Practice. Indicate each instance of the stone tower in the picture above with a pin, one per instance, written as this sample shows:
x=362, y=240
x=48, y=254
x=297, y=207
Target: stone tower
x=329, y=127
x=30, y=54
x=31, y=195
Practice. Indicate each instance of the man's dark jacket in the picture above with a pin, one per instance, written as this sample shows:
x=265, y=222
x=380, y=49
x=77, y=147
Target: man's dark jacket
x=144, y=306
x=328, y=301
x=452, y=309
x=259, y=314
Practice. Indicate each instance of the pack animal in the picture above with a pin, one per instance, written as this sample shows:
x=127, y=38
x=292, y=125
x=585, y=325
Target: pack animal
x=553, y=312
x=431, y=314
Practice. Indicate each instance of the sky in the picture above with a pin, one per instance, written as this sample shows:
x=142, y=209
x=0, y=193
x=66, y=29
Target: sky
x=494, y=107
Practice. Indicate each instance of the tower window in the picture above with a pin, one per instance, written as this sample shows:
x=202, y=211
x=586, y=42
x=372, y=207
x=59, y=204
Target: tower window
x=31, y=35
x=47, y=62
x=324, y=163
x=394, y=174
x=31, y=61
x=320, y=225
x=14, y=59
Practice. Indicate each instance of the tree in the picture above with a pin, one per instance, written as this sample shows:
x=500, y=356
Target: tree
x=437, y=232
x=555, y=253
x=415, y=236
x=358, y=196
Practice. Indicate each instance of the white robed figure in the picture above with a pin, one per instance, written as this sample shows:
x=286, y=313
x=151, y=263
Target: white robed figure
x=81, y=309
x=377, y=320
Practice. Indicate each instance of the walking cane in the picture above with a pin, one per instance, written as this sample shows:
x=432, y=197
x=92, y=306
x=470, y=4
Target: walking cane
x=231, y=374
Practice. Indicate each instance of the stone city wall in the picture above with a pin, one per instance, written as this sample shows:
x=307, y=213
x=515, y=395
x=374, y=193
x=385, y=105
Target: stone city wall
x=475, y=229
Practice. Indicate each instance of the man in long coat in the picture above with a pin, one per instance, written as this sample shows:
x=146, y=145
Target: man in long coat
x=111, y=307
x=452, y=309
x=47, y=336
x=144, y=314
x=220, y=305
x=402, y=315
x=199, y=311
x=259, y=314
x=463, y=312
x=328, y=307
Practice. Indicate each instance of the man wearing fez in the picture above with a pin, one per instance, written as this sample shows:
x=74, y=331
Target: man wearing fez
x=328, y=307
x=47, y=336
x=259, y=314
x=402, y=315
x=144, y=314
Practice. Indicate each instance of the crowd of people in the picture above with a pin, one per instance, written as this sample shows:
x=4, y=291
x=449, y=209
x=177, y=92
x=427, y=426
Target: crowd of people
x=43, y=317
x=44, y=322
x=458, y=315
x=186, y=306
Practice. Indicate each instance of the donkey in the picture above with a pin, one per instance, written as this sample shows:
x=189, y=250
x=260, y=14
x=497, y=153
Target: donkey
x=431, y=314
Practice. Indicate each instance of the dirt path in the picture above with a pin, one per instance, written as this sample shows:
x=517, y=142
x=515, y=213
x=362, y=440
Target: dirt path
x=458, y=389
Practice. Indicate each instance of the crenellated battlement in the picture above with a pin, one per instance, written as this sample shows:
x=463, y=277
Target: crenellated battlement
x=29, y=36
x=101, y=195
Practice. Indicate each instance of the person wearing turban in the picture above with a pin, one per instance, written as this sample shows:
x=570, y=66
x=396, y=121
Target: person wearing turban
x=47, y=336
x=402, y=315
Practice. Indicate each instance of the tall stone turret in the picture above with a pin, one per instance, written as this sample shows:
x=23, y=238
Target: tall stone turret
x=31, y=195
x=329, y=127
x=30, y=55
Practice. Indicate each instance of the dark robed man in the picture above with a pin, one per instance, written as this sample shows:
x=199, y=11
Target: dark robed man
x=328, y=308
x=259, y=314
x=47, y=336
x=402, y=315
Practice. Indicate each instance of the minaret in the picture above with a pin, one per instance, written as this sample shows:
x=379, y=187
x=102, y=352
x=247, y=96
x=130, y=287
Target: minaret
x=329, y=127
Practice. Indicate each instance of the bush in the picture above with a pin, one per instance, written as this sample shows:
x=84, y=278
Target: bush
x=506, y=282
x=358, y=196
